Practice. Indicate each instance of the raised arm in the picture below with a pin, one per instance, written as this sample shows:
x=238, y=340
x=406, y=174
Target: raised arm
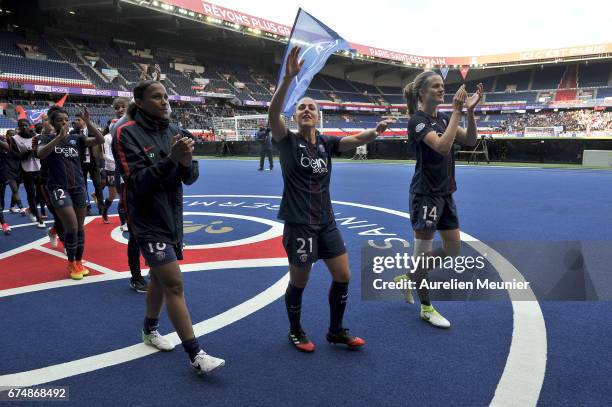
x=365, y=137
x=43, y=150
x=98, y=137
x=469, y=136
x=277, y=123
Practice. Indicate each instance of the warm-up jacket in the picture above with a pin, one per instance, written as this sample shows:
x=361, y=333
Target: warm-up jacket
x=154, y=183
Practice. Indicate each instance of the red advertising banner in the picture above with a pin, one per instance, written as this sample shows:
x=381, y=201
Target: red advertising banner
x=233, y=16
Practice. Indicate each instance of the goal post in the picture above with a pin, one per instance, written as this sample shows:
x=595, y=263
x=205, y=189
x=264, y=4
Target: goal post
x=551, y=131
x=245, y=127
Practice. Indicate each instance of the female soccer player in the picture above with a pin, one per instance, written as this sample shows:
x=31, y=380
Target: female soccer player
x=13, y=173
x=4, y=149
x=432, y=206
x=310, y=231
x=61, y=155
x=30, y=169
x=137, y=282
x=56, y=231
x=155, y=160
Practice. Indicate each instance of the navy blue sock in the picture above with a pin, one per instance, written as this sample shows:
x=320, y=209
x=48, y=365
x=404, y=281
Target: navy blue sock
x=70, y=243
x=150, y=325
x=192, y=347
x=293, y=302
x=121, y=212
x=338, y=296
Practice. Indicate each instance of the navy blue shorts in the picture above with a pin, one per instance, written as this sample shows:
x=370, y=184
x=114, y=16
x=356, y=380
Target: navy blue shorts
x=66, y=197
x=305, y=244
x=156, y=254
x=112, y=178
x=433, y=212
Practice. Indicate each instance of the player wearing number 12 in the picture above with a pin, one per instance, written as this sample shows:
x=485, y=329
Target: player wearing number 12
x=60, y=153
x=432, y=207
x=310, y=231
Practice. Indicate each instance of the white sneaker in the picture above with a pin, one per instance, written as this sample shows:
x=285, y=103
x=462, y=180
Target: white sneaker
x=52, y=238
x=407, y=292
x=156, y=340
x=124, y=227
x=41, y=225
x=429, y=314
x=204, y=363
x=14, y=209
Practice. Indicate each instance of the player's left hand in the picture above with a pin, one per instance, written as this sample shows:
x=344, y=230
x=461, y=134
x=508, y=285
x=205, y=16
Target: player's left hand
x=475, y=98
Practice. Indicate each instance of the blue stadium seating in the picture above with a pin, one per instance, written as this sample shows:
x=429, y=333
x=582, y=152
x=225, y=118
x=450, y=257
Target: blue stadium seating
x=520, y=79
x=340, y=84
x=547, y=77
x=511, y=96
x=604, y=93
x=319, y=84
x=593, y=75
x=38, y=69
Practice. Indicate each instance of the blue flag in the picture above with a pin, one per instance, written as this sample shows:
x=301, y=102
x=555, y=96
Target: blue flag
x=317, y=42
x=35, y=116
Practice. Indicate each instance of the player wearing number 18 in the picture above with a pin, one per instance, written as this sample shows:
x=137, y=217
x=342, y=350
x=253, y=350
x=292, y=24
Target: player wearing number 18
x=60, y=153
x=310, y=231
x=432, y=207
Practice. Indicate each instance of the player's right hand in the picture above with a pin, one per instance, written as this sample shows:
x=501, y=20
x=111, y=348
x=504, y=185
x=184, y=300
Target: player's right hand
x=63, y=133
x=459, y=99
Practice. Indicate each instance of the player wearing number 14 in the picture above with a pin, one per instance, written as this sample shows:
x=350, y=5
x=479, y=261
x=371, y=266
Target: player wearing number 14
x=432, y=207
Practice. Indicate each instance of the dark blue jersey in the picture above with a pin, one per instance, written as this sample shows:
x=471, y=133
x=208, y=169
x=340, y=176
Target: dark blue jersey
x=306, y=173
x=63, y=164
x=434, y=174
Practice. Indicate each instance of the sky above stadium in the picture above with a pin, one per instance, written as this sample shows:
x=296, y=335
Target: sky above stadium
x=449, y=27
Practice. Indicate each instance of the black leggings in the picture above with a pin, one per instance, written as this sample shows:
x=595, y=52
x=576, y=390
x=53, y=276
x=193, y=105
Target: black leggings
x=31, y=182
x=2, y=191
x=94, y=174
x=15, y=200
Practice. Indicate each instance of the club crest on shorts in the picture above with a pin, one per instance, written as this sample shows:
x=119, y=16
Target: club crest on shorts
x=419, y=127
x=60, y=202
x=303, y=258
x=160, y=255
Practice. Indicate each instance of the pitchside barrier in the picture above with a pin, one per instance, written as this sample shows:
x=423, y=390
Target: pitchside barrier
x=597, y=158
x=528, y=150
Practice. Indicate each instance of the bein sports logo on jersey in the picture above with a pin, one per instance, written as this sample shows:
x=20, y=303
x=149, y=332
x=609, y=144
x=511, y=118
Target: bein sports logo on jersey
x=318, y=165
x=68, y=152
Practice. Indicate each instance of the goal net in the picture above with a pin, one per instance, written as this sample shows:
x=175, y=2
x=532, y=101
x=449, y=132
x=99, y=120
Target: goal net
x=542, y=131
x=245, y=127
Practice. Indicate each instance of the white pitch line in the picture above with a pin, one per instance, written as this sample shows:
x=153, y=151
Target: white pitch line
x=62, y=256
x=527, y=352
x=96, y=362
x=118, y=275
